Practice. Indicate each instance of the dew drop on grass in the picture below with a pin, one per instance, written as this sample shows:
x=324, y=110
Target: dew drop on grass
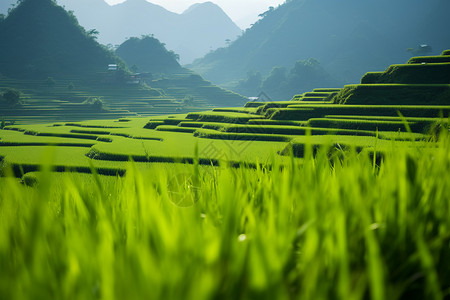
x=242, y=238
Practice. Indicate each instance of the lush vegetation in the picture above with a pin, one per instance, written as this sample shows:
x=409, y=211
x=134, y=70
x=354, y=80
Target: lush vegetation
x=10, y=97
x=338, y=193
x=348, y=37
x=148, y=54
x=40, y=39
x=281, y=84
x=251, y=134
x=320, y=228
x=59, y=66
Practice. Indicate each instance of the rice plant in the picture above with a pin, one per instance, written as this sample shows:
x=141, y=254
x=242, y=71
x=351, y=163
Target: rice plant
x=332, y=226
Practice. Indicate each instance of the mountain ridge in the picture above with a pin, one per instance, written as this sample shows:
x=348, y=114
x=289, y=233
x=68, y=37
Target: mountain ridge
x=35, y=47
x=348, y=38
x=180, y=33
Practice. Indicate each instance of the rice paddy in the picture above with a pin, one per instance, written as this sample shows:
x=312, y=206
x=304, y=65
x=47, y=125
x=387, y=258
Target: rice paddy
x=334, y=194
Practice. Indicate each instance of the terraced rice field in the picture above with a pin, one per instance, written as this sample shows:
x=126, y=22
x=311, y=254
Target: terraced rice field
x=251, y=134
x=43, y=103
x=339, y=193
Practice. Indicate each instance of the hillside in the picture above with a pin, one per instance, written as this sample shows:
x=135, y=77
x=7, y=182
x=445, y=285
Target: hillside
x=337, y=194
x=40, y=39
x=159, y=68
x=347, y=37
x=192, y=34
x=399, y=107
x=148, y=54
x=62, y=72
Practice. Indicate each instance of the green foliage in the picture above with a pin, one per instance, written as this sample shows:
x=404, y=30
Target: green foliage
x=41, y=39
x=95, y=103
x=281, y=84
x=333, y=226
x=148, y=54
x=188, y=100
x=394, y=94
x=11, y=96
x=412, y=73
x=93, y=34
x=251, y=85
x=275, y=82
x=429, y=59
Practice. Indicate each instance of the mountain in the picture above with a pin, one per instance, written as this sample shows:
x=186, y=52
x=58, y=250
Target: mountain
x=160, y=69
x=148, y=55
x=192, y=34
x=282, y=84
x=40, y=39
x=348, y=38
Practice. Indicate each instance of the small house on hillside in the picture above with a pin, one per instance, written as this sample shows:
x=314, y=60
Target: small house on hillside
x=134, y=79
x=112, y=67
x=262, y=97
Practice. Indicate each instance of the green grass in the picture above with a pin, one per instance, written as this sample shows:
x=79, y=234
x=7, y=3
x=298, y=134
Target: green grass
x=41, y=103
x=219, y=135
x=429, y=59
x=394, y=94
x=320, y=228
x=277, y=104
x=413, y=73
x=277, y=200
x=419, y=126
x=225, y=117
x=305, y=112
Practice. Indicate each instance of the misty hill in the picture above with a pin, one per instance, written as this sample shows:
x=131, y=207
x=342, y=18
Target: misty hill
x=282, y=83
x=40, y=39
x=192, y=34
x=148, y=54
x=347, y=37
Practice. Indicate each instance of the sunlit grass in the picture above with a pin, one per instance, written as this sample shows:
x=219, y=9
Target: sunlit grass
x=329, y=227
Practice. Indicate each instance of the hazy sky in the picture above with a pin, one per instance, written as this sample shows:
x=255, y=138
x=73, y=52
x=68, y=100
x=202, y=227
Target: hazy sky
x=243, y=12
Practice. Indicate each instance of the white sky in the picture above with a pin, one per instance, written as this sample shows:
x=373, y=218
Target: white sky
x=242, y=12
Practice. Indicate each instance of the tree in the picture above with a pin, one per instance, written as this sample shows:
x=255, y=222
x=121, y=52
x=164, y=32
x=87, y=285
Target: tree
x=50, y=82
x=266, y=13
x=12, y=96
x=94, y=103
x=93, y=33
x=276, y=79
x=134, y=68
x=188, y=101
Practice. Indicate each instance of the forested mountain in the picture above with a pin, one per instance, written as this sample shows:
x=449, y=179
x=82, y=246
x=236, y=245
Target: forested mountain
x=147, y=54
x=192, y=34
x=347, y=38
x=40, y=39
x=282, y=83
